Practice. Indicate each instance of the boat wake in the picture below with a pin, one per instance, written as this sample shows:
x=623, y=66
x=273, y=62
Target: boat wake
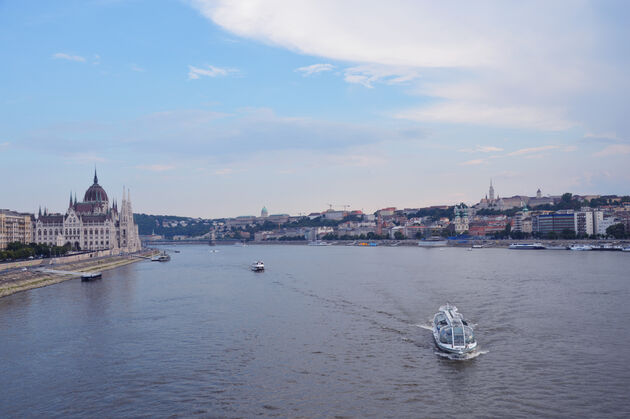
x=425, y=326
x=464, y=357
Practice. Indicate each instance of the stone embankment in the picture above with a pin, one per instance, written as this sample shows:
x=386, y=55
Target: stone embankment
x=22, y=276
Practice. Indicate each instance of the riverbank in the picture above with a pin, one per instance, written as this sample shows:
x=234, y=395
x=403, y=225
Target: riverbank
x=26, y=278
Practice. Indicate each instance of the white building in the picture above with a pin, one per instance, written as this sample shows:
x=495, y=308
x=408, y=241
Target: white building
x=583, y=221
x=91, y=224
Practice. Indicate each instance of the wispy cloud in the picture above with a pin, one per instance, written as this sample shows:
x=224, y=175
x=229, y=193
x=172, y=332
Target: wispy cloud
x=4, y=145
x=224, y=171
x=532, y=150
x=614, y=149
x=69, y=57
x=368, y=74
x=314, y=69
x=195, y=73
x=500, y=116
x=137, y=68
x=156, y=167
x=481, y=149
x=472, y=162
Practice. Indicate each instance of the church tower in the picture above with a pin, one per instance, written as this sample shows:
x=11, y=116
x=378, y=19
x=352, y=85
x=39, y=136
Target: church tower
x=491, y=192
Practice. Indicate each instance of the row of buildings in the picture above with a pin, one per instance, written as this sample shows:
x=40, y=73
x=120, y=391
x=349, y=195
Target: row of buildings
x=91, y=224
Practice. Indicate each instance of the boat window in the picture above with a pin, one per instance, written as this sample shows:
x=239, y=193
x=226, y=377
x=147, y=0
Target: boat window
x=470, y=337
x=446, y=335
x=458, y=336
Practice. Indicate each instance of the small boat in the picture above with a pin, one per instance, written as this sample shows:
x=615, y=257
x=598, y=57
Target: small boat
x=626, y=249
x=214, y=251
x=580, y=247
x=477, y=246
x=318, y=243
x=526, y=246
x=89, y=276
x=607, y=248
x=176, y=251
x=452, y=333
x=434, y=241
x=258, y=266
x=162, y=257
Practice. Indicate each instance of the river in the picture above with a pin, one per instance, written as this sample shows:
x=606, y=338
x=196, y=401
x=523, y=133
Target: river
x=323, y=332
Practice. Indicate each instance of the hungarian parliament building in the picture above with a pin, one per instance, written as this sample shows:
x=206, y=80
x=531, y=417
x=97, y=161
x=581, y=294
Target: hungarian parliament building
x=91, y=224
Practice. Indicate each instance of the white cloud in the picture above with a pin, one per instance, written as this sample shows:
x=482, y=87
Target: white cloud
x=156, y=167
x=481, y=149
x=367, y=75
x=472, y=162
x=314, y=69
x=224, y=172
x=195, y=73
x=501, y=116
x=533, y=65
x=614, y=149
x=532, y=150
x=69, y=57
x=137, y=68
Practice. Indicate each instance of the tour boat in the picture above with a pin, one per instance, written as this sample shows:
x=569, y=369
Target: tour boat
x=258, y=266
x=318, y=243
x=452, y=333
x=526, y=246
x=477, y=246
x=626, y=249
x=162, y=257
x=88, y=276
x=581, y=247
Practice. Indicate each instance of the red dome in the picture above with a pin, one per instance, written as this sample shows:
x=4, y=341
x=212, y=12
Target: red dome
x=95, y=193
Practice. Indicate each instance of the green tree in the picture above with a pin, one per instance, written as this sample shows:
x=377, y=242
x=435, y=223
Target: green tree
x=567, y=234
x=399, y=236
x=617, y=231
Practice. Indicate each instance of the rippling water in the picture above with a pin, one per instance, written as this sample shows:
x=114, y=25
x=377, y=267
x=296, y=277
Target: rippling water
x=323, y=332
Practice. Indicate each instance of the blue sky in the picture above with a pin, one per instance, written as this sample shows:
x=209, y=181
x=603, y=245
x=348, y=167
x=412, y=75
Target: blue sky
x=213, y=108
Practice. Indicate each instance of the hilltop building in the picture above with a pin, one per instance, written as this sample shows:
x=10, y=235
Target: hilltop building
x=91, y=224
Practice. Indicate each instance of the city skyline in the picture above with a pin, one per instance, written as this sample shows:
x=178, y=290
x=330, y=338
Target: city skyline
x=213, y=109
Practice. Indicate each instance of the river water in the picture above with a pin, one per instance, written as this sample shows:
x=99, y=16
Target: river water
x=323, y=332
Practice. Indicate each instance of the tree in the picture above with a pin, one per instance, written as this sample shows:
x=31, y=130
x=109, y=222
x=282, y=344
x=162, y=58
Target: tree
x=567, y=234
x=399, y=236
x=617, y=231
x=567, y=197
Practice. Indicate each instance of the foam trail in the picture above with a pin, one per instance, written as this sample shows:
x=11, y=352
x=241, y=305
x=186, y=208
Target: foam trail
x=424, y=326
x=465, y=357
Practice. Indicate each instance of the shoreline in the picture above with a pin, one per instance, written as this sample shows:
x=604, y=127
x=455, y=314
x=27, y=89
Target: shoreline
x=14, y=281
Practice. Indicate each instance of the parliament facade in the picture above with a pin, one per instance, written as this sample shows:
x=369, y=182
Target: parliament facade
x=90, y=225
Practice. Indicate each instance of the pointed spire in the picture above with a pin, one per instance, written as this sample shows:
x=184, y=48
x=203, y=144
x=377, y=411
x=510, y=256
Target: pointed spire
x=70, y=198
x=75, y=198
x=95, y=177
x=39, y=214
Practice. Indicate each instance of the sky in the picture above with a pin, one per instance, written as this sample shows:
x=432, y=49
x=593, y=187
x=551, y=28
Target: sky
x=218, y=108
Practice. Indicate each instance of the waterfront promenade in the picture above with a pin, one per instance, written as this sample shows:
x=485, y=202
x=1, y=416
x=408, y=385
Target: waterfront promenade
x=22, y=276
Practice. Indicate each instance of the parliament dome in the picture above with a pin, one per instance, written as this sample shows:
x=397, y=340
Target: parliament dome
x=95, y=193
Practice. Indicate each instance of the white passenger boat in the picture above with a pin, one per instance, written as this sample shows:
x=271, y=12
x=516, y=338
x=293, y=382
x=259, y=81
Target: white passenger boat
x=318, y=243
x=526, y=246
x=161, y=257
x=580, y=247
x=258, y=266
x=452, y=333
x=89, y=276
x=626, y=249
x=434, y=241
